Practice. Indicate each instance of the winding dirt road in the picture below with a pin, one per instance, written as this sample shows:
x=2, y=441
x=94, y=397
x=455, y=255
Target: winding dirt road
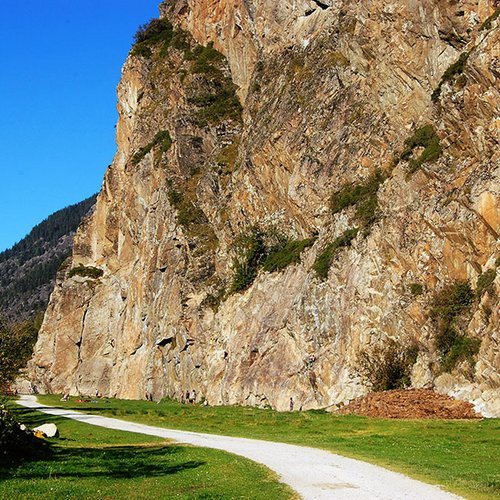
x=313, y=473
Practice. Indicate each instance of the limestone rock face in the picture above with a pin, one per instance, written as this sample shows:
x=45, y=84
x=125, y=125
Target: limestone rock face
x=307, y=98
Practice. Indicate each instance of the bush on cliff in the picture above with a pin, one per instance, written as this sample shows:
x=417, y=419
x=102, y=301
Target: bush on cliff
x=448, y=308
x=364, y=196
x=250, y=254
x=155, y=32
x=325, y=258
x=456, y=69
x=267, y=249
x=485, y=282
x=427, y=138
x=281, y=257
x=86, y=272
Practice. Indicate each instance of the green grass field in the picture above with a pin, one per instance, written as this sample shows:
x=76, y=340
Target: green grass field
x=89, y=462
x=463, y=456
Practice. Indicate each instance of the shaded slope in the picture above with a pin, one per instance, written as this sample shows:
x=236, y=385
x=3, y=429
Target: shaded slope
x=28, y=269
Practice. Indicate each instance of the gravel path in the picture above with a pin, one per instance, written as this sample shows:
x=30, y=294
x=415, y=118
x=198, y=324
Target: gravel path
x=313, y=473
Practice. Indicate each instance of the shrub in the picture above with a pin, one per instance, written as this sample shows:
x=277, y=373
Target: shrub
x=427, y=138
x=142, y=50
x=451, y=301
x=203, y=59
x=213, y=300
x=228, y=155
x=463, y=348
x=217, y=105
x=456, y=69
x=362, y=195
x=16, y=444
x=155, y=32
x=161, y=139
x=448, y=306
x=250, y=253
x=488, y=23
x=485, y=282
x=187, y=212
x=180, y=40
x=268, y=249
x=221, y=102
x=416, y=289
x=86, y=272
x=388, y=366
x=324, y=260
x=282, y=257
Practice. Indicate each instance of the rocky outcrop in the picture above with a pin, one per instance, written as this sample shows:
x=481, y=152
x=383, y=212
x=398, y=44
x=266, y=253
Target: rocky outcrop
x=226, y=155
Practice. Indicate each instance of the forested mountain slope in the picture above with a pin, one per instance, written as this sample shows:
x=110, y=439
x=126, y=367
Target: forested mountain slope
x=28, y=269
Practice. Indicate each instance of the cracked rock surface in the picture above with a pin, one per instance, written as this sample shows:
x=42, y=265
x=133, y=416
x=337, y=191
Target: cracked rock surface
x=314, y=97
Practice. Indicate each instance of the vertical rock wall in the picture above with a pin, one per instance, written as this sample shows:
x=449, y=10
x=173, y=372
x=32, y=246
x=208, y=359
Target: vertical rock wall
x=329, y=93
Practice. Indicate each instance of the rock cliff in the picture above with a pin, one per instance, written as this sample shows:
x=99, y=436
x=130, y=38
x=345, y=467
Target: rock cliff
x=304, y=203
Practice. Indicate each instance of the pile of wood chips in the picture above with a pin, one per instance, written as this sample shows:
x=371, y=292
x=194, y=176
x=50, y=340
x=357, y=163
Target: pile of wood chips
x=409, y=403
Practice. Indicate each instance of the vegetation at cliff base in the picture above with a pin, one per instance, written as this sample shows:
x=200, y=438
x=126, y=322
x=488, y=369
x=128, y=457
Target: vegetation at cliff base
x=427, y=138
x=460, y=455
x=94, y=463
x=16, y=346
x=388, y=366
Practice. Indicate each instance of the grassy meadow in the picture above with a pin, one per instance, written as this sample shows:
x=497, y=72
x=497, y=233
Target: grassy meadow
x=89, y=462
x=462, y=455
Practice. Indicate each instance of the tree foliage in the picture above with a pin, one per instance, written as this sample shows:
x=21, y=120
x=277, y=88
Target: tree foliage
x=49, y=231
x=29, y=268
x=16, y=346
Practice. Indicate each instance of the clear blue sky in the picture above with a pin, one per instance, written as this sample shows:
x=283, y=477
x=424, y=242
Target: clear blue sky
x=60, y=64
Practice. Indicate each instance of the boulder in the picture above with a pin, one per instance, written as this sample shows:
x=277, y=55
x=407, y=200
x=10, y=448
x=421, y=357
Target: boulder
x=50, y=430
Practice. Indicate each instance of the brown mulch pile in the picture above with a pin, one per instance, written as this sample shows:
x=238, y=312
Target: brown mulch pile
x=409, y=403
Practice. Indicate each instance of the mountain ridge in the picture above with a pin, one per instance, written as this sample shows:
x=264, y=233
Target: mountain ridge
x=28, y=269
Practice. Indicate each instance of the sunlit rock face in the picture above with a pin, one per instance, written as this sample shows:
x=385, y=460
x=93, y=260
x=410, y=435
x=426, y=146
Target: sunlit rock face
x=329, y=93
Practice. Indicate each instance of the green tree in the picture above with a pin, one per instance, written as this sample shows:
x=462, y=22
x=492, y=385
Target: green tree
x=16, y=346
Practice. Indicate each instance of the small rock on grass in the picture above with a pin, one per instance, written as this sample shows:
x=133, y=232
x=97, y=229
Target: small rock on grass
x=50, y=430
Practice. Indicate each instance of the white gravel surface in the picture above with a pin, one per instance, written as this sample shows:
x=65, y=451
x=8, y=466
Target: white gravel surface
x=313, y=473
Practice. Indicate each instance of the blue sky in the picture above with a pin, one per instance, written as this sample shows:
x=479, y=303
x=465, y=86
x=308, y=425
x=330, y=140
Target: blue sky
x=60, y=64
